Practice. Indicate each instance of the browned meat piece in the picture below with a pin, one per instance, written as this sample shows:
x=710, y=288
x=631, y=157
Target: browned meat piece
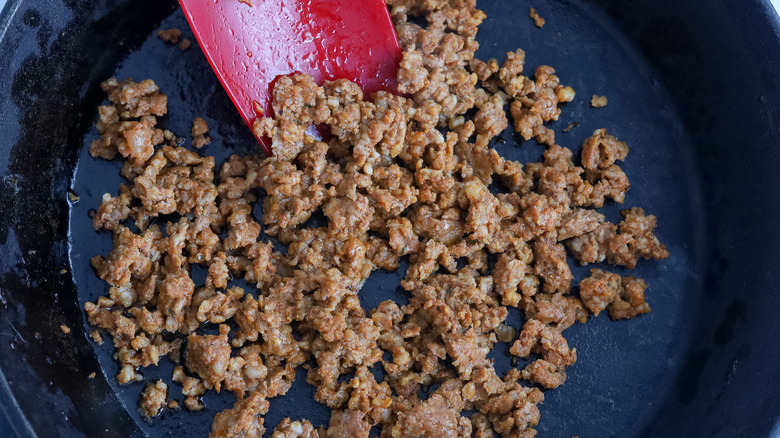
x=153, y=399
x=598, y=101
x=134, y=100
x=538, y=103
x=631, y=301
x=243, y=420
x=559, y=310
x=113, y=209
x=553, y=348
x=538, y=20
x=133, y=256
x=510, y=407
x=624, y=297
x=348, y=424
x=491, y=119
x=466, y=352
x=485, y=69
x=623, y=245
x=431, y=418
x=551, y=266
x=208, y=356
x=402, y=238
x=544, y=373
x=121, y=328
x=294, y=429
x=592, y=247
x=578, y=222
x=635, y=239
x=599, y=290
x=508, y=274
x=599, y=154
x=221, y=307
x=600, y=151
x=510, y=75
x=175, y=295
x=192, y=389
x=170, y=36
x=198, y=132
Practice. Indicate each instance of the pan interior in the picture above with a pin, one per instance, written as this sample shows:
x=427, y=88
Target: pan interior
x=625, y=369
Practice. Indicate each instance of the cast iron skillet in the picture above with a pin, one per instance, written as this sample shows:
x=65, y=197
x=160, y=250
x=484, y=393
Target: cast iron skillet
x=694, y=89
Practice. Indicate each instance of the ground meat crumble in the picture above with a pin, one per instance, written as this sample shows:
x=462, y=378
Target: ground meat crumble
x=400, y=177
x=598, y=101
x=538, y=20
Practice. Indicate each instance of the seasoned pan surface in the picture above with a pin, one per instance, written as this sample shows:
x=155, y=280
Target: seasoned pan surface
x=701, y=116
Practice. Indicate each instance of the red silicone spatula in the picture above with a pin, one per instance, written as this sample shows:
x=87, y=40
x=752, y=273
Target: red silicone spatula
x=249, y=43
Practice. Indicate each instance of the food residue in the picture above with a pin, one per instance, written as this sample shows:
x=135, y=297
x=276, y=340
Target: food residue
x=538, y=20
x=170, y=36
x=598, y=101
x=198, y=132
x=185, y=44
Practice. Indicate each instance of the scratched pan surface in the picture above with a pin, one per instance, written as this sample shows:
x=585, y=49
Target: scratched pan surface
x=694, y=92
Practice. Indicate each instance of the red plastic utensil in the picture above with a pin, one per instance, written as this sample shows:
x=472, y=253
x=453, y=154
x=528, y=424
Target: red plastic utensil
x=250, y=43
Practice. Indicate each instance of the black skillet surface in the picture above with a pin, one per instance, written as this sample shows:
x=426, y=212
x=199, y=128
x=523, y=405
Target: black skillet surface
x=694, y=91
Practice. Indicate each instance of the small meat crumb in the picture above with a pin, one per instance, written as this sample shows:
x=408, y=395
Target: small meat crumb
x=538, y=20
x=624, y=297
x=571, y=126
x=173, y=404
x=170, y=36
x=92, y=375
x=199, y=130
x=245, y=419
x=72, y=197
x=598, y=101
x=65, y=329
x=96, y=336
x=294, y=429
x=185, y=44
x=153, y=399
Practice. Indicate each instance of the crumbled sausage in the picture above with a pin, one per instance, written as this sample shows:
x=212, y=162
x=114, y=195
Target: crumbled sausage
x=294, y=429
x=599, y=290
x=598, y=101
x=431, y=418
x=244, y=420
x=198, y=132
x=538, y=20
x=170, y=36
x=209, y=355
x=551, y=265
x=153, y=399
x=621, y=245
x=624, y=297
x=400, y=177
x=184, y=44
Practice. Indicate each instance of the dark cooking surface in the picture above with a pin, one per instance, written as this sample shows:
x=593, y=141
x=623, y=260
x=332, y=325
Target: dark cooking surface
x=644, y=351
x=701, y=364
